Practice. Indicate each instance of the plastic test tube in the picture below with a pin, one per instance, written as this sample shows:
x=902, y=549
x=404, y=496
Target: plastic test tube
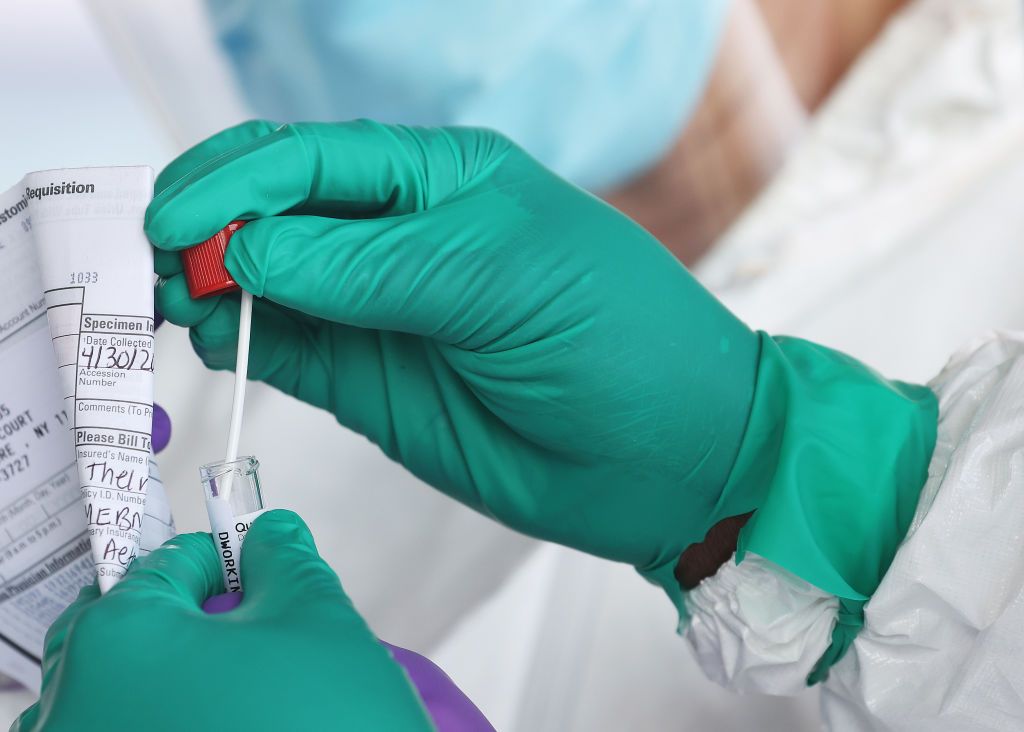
x=233, y=501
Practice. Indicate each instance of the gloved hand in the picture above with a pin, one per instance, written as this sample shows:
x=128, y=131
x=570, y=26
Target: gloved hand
x=294, y=655
x=527, y=349
x=447, y=296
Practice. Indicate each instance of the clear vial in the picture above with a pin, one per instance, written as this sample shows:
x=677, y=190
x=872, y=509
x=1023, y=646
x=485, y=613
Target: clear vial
x=237, y=482
x=233, y=501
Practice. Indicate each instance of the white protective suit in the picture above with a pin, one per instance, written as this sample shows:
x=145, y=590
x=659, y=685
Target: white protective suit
x=941, y=648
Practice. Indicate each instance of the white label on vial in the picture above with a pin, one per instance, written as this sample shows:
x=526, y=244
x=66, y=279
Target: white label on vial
x=228, y=533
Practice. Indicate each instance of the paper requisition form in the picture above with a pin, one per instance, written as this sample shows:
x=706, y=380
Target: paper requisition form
x=79, y=490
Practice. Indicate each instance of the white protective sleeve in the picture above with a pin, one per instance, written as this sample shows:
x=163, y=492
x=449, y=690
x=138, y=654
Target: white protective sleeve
x=942, y=647
x=757, y=628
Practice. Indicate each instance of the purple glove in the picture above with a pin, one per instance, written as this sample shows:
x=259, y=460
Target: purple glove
x=161, y=420
x=449, y=708
x=161, y=428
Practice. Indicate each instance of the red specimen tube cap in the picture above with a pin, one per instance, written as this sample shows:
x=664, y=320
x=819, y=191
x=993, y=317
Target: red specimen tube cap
x=204, y=264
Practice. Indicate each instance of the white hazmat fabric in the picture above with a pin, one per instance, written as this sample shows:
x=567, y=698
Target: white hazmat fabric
x=755, y=627
x=942, y=647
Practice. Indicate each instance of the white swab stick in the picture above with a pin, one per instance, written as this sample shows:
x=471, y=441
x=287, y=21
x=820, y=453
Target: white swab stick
x=241, y=374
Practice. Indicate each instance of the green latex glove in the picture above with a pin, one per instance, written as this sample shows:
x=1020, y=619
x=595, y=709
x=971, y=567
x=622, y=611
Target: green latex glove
x=295, y=655
x=532, y=352
x=509, y=338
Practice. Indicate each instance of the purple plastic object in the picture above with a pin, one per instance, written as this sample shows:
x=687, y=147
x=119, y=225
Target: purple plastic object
x=222, y=603
x=161, y=428
x=161, y=420
x=451, y=710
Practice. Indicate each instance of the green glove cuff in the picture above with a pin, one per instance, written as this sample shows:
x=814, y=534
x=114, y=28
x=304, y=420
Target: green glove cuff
x=832, y=462
x=849, y=621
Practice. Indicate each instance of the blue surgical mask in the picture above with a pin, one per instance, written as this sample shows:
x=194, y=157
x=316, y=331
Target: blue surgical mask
x=596, y=89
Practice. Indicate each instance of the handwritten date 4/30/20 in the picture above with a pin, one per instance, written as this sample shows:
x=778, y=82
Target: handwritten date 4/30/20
x=110, y=357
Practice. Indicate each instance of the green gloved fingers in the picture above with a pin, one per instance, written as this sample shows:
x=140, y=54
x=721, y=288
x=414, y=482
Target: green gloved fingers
x=147, y=652
x=284, y=553
x=168, y=263
x=172, y=296
x=210, y=148
x=180, y=575
x=295, y=169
